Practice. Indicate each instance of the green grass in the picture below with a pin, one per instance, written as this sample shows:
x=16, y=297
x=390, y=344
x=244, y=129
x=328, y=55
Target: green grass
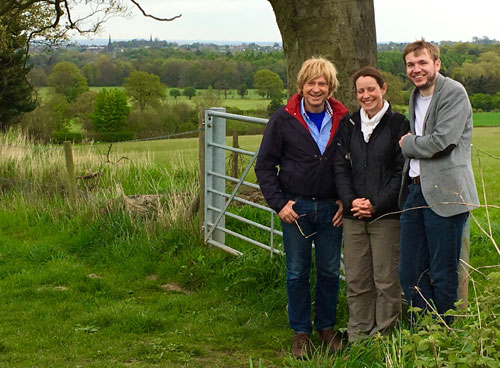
x=104, y=286
x=252, y=101
x=82, y=298
x=482, y=119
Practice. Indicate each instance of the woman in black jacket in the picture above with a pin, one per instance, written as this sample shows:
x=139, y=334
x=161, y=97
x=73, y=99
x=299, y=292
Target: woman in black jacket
x=368, y=166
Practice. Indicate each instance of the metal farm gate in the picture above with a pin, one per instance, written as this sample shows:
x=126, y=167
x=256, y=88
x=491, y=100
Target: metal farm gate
x=217, y=200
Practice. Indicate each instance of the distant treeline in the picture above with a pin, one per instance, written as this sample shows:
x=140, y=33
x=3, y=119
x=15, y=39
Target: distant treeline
x=475, y=64
x=176, y=67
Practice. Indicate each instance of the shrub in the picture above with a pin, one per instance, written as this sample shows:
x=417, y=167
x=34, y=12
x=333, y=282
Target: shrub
x=110, y=110
x=60, y=136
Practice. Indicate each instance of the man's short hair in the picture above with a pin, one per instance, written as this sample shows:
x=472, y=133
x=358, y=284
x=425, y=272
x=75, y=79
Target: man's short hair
x=368, y=71
x=420, y=45
x=316, y=67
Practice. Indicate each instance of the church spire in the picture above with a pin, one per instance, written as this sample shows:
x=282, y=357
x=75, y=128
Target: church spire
x=110, y=45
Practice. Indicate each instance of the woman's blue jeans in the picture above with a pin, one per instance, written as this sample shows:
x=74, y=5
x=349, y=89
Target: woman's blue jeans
x=315, y=224
x=429, y=254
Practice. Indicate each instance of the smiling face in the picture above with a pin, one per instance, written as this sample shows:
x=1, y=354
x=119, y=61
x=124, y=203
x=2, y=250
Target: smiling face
x=315, y=93
x=422, y=70
x=370, y=95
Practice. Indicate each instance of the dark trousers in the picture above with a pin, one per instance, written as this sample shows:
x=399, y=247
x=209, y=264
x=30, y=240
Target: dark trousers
x=429, y=255
x=316, y=218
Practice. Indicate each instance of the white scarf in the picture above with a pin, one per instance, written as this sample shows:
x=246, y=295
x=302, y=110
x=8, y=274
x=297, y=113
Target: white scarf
x=367, y=124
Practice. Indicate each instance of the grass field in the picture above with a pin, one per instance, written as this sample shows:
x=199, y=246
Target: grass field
x=102, y=284
x=252, y=101
x=486, y=119
x=255, y=102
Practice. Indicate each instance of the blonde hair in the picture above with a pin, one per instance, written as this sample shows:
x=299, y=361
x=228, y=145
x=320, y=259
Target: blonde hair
x=420, y=45
x=316, y=67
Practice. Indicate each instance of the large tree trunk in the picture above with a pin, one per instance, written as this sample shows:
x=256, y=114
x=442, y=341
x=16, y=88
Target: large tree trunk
x=342, y=31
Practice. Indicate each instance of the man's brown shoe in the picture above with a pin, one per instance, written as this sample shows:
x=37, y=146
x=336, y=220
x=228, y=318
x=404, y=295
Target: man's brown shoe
x=301, y=346
x=332, y=340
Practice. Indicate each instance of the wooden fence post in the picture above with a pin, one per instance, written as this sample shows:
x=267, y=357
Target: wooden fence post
x=70, y=167
x=463, y=267
x=234, y=166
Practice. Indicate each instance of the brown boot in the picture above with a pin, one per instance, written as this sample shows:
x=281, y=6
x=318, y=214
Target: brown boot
x=332, y=340
x=301, y=346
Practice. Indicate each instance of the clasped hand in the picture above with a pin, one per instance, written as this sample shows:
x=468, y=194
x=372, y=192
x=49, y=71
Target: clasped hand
x=362, y=208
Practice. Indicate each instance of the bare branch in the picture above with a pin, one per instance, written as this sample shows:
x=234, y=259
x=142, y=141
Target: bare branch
x=439, y=203
x=152, y=16
x=101, y=11
x=486, y=233
x=431, y=307
x=487, y=154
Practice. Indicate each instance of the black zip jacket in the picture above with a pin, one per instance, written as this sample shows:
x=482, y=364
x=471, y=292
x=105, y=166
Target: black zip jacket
x=303, y=170
x=370, y=170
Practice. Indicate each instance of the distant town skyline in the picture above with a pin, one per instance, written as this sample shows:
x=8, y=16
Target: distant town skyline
x=254, y=21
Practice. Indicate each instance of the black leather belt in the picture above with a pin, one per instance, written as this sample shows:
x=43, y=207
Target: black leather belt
x=415, y=180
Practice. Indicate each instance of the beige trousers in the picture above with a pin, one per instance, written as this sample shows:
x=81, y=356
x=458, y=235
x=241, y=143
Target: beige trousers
x=371, y=258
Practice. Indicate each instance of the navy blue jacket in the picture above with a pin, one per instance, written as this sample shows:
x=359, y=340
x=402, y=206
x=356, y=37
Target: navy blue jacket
x=288, y=144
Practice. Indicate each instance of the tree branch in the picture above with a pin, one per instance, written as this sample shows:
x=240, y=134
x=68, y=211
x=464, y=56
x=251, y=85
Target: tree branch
x=152, y=16
x=63, y=8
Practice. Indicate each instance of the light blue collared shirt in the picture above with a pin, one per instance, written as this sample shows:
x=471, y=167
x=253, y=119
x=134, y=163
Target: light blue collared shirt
x=322, y=136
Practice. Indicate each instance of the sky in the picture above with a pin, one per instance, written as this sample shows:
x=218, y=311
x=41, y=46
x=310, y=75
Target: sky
x=254, y=21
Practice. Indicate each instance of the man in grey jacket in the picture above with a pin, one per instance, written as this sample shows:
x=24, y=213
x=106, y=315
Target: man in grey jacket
x=437, y=180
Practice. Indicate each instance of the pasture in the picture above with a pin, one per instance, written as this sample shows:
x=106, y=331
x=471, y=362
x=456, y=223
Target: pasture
x=252, y=101
x=107, y=283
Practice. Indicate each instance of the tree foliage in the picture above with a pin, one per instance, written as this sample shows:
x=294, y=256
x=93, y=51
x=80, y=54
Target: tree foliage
x=177, y=67
x=144, y=88
x=268, y=83
x=175, y=93
x=15, y=91
x=110, y=110
x=392, y=62
x=485, y=102
x=67, y=80
x=103, y=70
x=482, y=76
x=82, y=109
x=189, y=92
x=243, y=90
x=394, y=92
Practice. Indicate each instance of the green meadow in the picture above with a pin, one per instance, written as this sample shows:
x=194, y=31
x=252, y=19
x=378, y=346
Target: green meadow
x=252, y=101
x=121, y=277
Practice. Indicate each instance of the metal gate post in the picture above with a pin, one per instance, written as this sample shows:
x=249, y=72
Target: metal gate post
x=215, y=161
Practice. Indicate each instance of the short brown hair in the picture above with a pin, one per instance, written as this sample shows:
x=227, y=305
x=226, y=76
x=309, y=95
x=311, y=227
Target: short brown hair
x=368, y=71
x=420, y=45
x=316, y=67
